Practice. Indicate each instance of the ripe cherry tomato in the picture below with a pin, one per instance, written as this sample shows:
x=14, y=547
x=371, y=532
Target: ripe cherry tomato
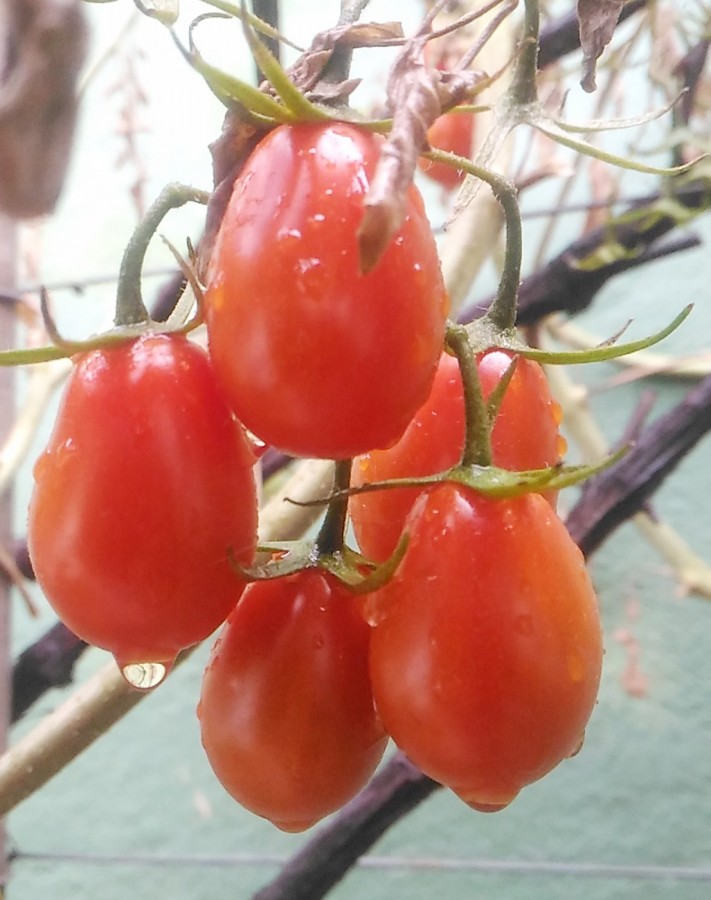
x=486, y=653
x=286, y=712
x=145, y=487
x=316, y=358
x=525, y=436
x=453, y=132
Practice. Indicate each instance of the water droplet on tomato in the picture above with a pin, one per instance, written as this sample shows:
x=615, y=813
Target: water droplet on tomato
x=487, y=800
x=578, y=747
x=557, y=412
x=147, y=675
x=576, y=667
x=294, y=827
x=371, y=609
x=487, y=807
x=561, y=445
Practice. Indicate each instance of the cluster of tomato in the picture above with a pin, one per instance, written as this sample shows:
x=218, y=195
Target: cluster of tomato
x=481, y=655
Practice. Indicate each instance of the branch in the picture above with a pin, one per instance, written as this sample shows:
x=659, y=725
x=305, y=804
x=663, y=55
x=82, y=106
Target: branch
x=564, y=285
x=46, y=664
x=398, y=788
x=615, y=495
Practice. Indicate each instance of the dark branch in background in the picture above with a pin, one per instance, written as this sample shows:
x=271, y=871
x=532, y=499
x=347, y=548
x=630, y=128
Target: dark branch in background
x=268, y=11
x=326, y=858
x=563, y=285
x=612, y=497
x=563, y=35
x=46, y=664
x=689, y=70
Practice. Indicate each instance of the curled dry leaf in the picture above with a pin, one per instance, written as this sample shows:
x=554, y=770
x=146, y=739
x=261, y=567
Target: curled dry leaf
x=415, y=104
x=38, y=102
x=417, y=96
x=597, y=20
x=309, y=72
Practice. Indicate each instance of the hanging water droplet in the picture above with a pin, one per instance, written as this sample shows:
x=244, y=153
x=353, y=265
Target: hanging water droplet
x=145, y=676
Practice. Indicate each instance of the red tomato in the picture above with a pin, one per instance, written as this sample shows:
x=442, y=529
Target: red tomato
x=316, y=358
x=286, y=712
x=145, y=485
x=453, y=132
x=486, y=655
x=525, y=436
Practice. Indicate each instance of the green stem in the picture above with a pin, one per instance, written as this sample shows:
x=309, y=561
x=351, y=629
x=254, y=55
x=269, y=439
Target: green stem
x=477, y=441
x=523, y=86
x=332, y=532
x=502, y=312
x=130, y=308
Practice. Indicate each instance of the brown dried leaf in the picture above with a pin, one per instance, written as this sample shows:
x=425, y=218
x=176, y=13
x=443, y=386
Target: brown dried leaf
x=417, y=95
x=38, y=102
x=415, y=104
x=597, y=20
x=306, y=72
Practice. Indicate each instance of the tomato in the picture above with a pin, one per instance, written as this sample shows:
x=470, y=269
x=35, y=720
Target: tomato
x=144, y=488
x=286, y=711
x=453, y=132
x=487, y=648
x=316, y=358
x=525, y=436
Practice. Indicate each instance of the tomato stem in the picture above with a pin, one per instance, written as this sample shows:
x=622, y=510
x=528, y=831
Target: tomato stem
x=130, y=308
x=523, y=86
x=502, y=312
x=477, y=442
x=331, y=535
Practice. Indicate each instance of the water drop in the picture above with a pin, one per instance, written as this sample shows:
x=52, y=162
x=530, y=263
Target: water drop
x=578, y=747
x=147, y=675
x=576, y=667
x=477, y=799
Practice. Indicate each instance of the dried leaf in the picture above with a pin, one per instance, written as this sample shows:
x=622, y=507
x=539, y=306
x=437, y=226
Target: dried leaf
x=417, y=95
x=597, y=20
x=38, y=102
x=415, y=103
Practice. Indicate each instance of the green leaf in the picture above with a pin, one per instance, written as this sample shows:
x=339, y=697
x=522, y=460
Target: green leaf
x=609, y=351
x=297, y=104
x=230, y=90
x=553, y=131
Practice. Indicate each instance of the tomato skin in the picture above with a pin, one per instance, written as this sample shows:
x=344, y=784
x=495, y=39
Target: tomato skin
x=317, y=359
x=145, y=484
x=525, y=436
x=487, y=648
x=286, y=712
x=453, y=132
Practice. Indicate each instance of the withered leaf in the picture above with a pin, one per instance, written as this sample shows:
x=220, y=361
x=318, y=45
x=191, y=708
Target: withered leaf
x=416, y=95
x=415, y=104
x=597, y=20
